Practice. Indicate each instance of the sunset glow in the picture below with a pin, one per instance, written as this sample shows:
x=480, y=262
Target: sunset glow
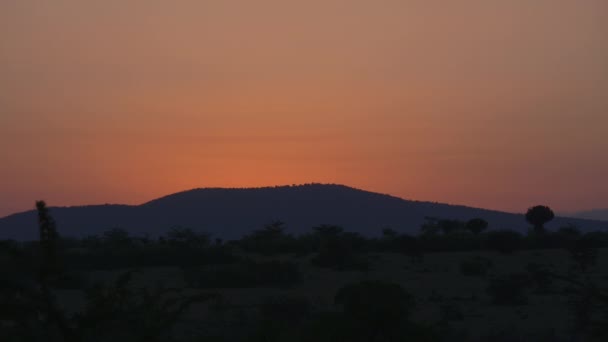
x=495, y=104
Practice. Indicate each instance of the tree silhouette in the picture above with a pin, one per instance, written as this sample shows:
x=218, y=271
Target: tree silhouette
x=338, y=250
x=450, y=226
x=271, y=239
x=273, y=230
x=538, y=216
x=117, y=238
x=49, y=269
x=430, y=227
x=187, y=237
x=477, y=225
x=328, y=230
x=48, y=239
x=389, y=233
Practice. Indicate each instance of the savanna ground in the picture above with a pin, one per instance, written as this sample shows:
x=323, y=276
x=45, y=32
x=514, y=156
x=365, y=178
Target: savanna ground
x=443, y=295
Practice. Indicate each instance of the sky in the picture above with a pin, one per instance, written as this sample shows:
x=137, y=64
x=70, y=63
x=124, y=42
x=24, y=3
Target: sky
x=488, y=103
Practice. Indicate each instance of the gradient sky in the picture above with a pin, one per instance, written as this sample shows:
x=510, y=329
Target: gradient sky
x=490, y=103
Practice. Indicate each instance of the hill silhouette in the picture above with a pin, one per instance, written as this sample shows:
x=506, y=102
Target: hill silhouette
x=231, y=213
x=594, y=214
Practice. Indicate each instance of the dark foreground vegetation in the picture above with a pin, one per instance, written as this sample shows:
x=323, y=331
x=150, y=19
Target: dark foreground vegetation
x=455, y=281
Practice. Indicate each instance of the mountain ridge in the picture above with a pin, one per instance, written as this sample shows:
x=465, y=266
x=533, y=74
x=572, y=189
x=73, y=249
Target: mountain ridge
x=593, y=214
x=233, y=212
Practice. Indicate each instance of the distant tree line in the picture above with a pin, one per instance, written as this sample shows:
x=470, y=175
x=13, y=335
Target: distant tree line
x=332, y=246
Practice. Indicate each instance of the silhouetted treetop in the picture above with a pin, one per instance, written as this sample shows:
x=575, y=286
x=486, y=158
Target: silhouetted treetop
x=538, y=216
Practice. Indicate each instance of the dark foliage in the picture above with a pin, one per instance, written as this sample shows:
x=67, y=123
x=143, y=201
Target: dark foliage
x=270, y=240
x=476, y=225
x=504, y=241
x=340, y=251
x=112, y=313
x=538, y=215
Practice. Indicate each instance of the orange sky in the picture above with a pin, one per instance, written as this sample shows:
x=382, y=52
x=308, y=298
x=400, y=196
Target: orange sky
x=490, y=103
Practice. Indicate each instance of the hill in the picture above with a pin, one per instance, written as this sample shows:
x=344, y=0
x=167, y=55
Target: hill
x=594, y=214
x=231, y=213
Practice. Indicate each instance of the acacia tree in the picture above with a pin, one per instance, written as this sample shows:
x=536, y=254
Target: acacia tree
x=538, y=215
